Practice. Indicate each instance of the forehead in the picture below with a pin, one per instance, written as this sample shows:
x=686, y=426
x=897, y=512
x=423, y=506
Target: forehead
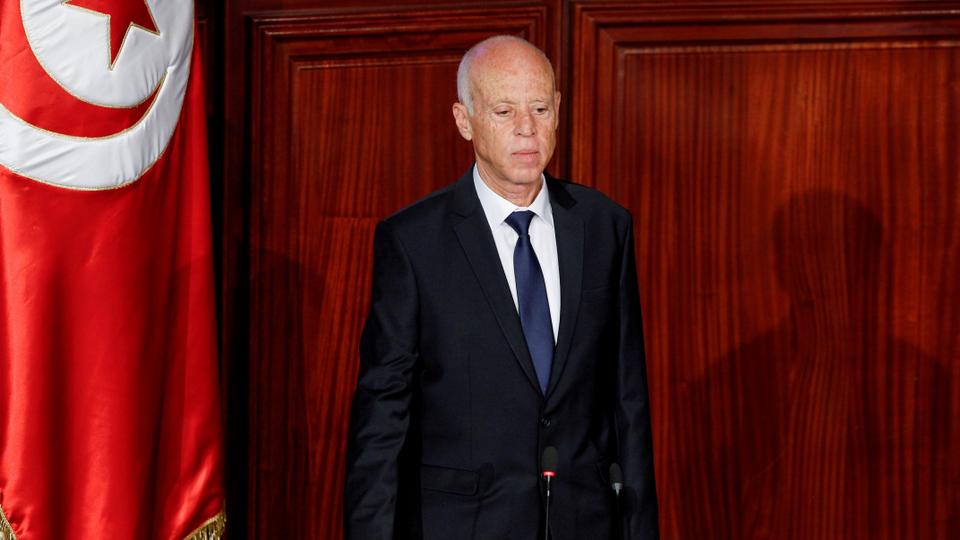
x=513, y=74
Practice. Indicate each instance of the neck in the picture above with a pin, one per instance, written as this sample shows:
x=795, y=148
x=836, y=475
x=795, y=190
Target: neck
x=519, y=194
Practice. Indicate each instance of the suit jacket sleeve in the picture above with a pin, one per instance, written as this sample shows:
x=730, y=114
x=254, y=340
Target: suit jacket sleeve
x=380, y=413
x=633, y=409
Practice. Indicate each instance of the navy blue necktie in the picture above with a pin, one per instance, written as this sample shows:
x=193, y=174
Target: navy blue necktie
x=532, y=299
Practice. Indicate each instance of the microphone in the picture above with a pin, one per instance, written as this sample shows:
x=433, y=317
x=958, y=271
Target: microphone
x=616, y=478
x=548, y=462
x=548, y=468
x=616, y=482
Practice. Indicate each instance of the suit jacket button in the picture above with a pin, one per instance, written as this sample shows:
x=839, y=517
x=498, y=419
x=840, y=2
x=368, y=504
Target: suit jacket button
x=545, y=422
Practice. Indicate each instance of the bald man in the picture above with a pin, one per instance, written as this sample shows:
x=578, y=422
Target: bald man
x=505, y=320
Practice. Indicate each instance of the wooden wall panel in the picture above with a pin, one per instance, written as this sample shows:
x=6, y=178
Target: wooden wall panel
x=793, y=173
x=793, y=170
x=350, y=121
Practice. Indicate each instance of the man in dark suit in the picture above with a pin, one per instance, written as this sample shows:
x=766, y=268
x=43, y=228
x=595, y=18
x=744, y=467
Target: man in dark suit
x=505, y=319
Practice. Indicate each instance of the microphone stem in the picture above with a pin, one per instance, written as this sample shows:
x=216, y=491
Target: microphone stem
x=619, y=515
x=546, y=524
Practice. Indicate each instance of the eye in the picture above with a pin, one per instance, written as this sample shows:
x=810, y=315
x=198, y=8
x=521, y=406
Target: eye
x=542, y=110
x=502, y=113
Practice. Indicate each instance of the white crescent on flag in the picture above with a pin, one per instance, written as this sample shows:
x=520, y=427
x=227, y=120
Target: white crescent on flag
x=73, y=47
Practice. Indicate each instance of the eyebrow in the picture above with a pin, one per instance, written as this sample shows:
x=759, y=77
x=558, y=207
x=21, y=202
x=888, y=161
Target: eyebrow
x=512, y=102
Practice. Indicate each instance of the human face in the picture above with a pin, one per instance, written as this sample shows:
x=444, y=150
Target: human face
x=514, y=121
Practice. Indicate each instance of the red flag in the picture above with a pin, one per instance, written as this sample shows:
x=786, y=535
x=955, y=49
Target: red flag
x=109, y=396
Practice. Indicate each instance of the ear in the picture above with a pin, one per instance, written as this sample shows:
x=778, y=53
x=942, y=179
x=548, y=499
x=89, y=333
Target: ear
x=463, y=121
x=556, y=105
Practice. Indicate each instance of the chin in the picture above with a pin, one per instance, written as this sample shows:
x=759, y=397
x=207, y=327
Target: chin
x=527, y=175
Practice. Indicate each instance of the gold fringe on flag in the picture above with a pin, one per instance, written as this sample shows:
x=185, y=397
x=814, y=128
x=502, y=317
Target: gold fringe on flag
x=6, y=532
x=212, y=529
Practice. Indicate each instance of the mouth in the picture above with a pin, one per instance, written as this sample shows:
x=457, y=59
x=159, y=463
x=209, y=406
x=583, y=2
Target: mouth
x=526, y=155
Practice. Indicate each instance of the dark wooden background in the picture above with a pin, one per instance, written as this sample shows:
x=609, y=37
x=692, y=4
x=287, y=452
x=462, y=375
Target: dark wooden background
x=793, y=171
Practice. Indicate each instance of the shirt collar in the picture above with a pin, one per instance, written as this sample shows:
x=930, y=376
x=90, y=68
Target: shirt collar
x=497, y=208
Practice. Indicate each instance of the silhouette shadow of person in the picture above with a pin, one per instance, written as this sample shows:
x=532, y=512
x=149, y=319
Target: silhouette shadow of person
x=826, y=426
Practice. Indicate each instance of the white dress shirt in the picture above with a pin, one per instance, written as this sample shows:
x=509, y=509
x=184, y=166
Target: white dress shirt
x=543, y=238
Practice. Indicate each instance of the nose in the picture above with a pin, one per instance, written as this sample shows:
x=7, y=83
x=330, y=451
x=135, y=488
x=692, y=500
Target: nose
x=526, y=126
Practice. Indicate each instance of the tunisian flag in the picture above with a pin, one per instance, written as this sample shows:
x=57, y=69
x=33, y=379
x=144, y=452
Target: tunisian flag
x=109, y=401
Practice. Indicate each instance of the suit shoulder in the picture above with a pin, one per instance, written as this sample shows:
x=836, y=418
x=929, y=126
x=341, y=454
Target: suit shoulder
x=593, y=201
x=432, y=206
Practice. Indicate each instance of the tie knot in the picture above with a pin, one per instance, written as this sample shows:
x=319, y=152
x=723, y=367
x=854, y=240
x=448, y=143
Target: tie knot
x=520, y=221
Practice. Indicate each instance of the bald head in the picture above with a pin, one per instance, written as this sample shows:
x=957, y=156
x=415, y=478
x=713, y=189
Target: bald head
x=494, y=51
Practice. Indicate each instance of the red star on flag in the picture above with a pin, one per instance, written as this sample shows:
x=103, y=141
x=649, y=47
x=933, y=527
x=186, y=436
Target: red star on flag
x=122, y=16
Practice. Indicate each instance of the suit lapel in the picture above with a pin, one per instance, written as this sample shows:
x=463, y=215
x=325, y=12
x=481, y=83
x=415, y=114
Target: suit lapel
x=475, y=238
x=569, y=229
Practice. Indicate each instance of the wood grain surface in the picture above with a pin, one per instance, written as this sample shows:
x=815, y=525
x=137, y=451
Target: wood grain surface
x=795, y=189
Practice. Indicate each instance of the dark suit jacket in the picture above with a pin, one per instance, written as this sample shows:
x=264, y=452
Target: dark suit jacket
x=448, y=422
